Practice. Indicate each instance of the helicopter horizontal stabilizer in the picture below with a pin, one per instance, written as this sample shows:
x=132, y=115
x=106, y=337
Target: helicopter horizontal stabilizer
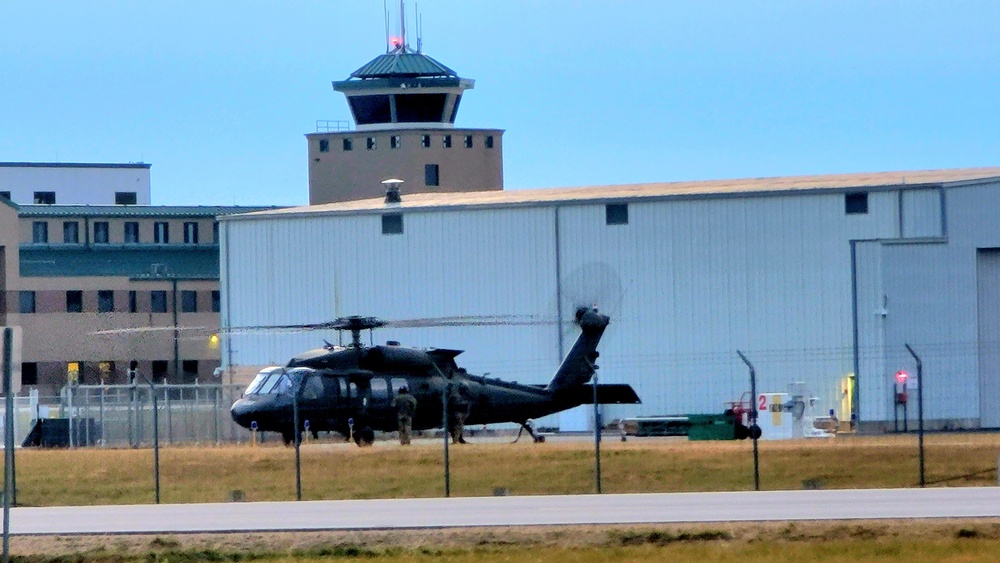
x=607, y=394
x=578, y=366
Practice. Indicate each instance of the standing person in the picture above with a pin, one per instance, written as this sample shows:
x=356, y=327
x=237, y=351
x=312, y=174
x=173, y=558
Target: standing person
x=458, y=409
x=406, y=407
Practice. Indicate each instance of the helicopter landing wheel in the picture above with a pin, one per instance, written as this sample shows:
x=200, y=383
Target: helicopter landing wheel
x=365, y=436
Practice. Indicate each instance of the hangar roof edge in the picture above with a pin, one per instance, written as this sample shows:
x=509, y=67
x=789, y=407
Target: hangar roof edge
x=634, y=192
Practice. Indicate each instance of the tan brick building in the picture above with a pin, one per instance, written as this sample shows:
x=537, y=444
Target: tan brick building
x=70, y=271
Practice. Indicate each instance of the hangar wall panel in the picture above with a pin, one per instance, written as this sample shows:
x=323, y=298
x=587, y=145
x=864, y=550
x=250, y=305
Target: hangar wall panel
x=875, y=381
x=308, y=270
x=922, y=213
x=988, y=274
x=703, y=278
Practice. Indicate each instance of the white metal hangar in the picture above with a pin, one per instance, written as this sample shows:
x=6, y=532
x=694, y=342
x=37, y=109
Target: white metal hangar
x=814, y=278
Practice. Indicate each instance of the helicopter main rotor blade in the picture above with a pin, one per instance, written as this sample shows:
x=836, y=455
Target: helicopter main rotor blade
x=366, y=323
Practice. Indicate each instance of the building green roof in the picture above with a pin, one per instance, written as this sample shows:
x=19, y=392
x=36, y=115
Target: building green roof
x=410, y=65
x=136, y=211
x=133, y=261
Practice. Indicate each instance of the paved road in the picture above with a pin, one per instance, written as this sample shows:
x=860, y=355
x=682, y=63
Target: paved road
x=975, y=502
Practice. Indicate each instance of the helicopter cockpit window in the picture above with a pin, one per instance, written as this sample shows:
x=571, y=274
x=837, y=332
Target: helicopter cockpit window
x=258, y=382
x=380, y=389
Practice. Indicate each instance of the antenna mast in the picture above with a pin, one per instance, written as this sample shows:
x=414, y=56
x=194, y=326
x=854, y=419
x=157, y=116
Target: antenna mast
x=385, y=12
x=402, y=25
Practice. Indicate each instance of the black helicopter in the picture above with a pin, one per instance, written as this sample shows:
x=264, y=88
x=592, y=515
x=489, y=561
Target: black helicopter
x=350, y=389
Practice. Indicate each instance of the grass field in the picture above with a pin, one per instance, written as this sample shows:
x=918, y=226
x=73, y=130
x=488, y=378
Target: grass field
x=335, y=470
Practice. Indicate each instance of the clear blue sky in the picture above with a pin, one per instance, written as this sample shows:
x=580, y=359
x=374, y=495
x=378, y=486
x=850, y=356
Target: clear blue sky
x=217, y=95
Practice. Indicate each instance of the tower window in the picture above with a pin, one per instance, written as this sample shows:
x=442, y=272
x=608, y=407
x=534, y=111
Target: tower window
x=856, y=203
x=40, y=232
x=161, y=232
x=446, y=141
x=100, y=232
x=74, y=301
x=27, y=302
x=190, y=232
x=189, y=301
x=216, y=301
x=324, y=145
x=105, y=301
x=616, y=214
x=5, y=195
x=348, y=144
x=158, y=301
x=468, y=141
x=392, y=224
x=394, y=142
x=45, y=198
x=489, y=141
x=425, y=141
x=133, y=306
x=372, y=143
x=125, y=198
x=431, y=177
x=71, y=232
x=131, y=232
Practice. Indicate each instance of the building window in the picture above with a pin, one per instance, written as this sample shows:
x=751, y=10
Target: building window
x=856, y=203
x=190, y=232
x=348, y=144
x=190, y=369
x=27, y=302
x=100, y=232
x=216, y=301
x=489, y=141
x=29, y=373
x=446, y=141
x=131, y=232
x=616, y=214
x=105, y=301
x=125, y=198
x=394, y=141
x=45, y=198
x=74, y=301
x=159, y=370
x=40, y=232
x=215, y=232
x=392, y=224
x=71, y=232
x=189, y=301
x=106, y=371
x=158, y=301
x=5, y=195
x=431, y=177
x=372, y=144
x=161, y=232
x=425, y=141
x=324, y=145
x=468, y=141
x=133, y=305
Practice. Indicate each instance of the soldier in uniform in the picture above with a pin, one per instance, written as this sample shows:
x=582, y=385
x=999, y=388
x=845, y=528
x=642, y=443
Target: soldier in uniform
x=458, y=409
x=406, y=407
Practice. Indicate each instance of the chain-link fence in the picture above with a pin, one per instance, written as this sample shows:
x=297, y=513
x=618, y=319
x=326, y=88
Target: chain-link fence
x=122, y=416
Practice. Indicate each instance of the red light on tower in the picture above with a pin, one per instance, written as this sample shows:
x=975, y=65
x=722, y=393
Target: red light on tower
x=395, y=41
x=901, y=376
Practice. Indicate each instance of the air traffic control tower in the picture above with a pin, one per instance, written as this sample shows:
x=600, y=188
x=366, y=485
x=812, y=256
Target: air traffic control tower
x=404, y=105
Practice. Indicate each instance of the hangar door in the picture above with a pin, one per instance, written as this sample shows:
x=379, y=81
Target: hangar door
x=988, y=273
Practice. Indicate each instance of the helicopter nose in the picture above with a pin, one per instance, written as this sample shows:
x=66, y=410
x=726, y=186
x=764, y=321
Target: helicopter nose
x=243, y=412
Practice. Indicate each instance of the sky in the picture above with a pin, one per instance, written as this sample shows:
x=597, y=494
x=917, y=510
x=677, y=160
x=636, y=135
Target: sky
x=217, y=96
